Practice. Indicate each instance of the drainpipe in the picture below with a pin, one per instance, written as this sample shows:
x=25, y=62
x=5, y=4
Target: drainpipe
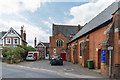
x=45, y=52
x=110, y=65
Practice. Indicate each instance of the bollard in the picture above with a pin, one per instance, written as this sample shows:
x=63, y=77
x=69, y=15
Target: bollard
x=11, y=61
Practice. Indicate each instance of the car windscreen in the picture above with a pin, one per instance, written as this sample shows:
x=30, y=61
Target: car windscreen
x=57, y=57
x=30, y=55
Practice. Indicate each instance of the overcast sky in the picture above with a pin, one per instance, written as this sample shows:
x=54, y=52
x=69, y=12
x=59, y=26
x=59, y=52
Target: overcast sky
x=37, y=16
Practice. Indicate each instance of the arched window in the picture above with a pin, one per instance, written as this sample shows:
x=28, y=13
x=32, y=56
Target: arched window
x=59, y=43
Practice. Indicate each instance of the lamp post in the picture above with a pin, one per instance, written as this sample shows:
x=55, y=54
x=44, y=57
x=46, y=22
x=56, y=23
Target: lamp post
x=1, y=63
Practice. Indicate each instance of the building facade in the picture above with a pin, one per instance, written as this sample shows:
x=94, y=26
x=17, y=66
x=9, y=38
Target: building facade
x=12, y=38
x=93, y=40
x=43, y=49
x=61, y=34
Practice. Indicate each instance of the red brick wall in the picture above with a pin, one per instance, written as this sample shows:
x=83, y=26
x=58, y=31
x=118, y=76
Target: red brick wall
x=93, y=44
x=11, y=41
x=53, y=43
x=95, y=40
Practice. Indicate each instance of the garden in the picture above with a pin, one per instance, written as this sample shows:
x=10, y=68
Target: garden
x=15, y=55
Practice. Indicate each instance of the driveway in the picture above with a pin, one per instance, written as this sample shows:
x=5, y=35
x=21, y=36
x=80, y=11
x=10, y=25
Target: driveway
x=68, y=68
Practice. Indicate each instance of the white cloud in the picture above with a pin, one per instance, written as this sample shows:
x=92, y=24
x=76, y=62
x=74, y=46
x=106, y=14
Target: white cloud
x=49, y=22
x=16, y=6
x=31, y=31
x=84, y=13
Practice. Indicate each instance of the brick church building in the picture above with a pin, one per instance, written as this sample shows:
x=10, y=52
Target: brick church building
x=61, y=34
x=94, y=38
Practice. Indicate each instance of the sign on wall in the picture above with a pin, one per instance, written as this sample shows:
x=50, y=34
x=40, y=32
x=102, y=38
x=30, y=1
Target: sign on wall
x=103, y=56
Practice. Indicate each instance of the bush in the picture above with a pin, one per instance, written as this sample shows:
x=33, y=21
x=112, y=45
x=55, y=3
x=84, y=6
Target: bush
x=16, y=53
x=27, y=49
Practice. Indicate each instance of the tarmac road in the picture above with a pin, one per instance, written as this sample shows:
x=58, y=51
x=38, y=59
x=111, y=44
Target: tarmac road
x=17, y=72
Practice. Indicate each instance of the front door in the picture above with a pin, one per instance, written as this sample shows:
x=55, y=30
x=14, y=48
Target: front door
x=99, y=58
x=63, y=56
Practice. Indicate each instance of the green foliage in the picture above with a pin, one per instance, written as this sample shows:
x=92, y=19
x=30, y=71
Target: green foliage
x=27, y=49
x=17, y=53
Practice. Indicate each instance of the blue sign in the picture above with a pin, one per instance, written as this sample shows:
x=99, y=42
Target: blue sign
x=103, y=56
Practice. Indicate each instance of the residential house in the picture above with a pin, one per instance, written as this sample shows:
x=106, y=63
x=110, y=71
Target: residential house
x=95, y=38
x=43, y=49
x=12, y=38
x=61, y=34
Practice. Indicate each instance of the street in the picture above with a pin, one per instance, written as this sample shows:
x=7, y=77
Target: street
x=9, y=71
x=42, y=69
x=36, y=70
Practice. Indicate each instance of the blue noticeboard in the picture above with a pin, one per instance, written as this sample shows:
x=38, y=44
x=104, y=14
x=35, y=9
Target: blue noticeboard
x=103, y=56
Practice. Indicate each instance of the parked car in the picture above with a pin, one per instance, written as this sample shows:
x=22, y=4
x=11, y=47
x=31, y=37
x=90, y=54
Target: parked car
x=30, y=58
x=56, y=60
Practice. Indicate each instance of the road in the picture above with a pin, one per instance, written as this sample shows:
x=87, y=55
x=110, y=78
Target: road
x=9, y=71
x=14, y=72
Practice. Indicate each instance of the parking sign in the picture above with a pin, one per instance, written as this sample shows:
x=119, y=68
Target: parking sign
x=103, y=56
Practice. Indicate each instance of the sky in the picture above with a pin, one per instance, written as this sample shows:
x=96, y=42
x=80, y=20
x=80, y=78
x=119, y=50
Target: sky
x=37, y=16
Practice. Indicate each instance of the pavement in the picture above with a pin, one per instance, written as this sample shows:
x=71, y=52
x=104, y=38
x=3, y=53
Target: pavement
x=68, y=69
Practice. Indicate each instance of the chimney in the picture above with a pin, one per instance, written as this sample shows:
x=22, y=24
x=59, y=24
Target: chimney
x=35, y=41
x=79, y=27
x=53, y=30
x=22, y=31
x=24, y=35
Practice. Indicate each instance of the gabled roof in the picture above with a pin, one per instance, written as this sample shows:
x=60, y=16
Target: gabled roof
x=100, y=19
x=46, y=44
x=5, y=33
x=9, y=31
x=2, y=34
x=43, y=44
x=66, y=30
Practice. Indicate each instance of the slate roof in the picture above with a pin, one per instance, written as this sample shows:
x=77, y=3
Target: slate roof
x=46, y=44
x=43, y=43
x=100, y=19
x=65, y=29
x=2, y=34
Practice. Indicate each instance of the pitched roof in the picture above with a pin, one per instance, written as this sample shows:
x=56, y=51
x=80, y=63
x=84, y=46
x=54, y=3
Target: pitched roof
x=2, y=34
x=43, y=44
x=65, y=29
x=100, y=19
x=46, y=44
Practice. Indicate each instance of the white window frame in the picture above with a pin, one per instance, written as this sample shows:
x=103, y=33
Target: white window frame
x=79, y=45
x=17, y=41
x=1, y=41
x=54, y=50
x=7, y=42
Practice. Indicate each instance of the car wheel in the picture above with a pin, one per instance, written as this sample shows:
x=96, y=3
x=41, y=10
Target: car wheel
x=61, y=63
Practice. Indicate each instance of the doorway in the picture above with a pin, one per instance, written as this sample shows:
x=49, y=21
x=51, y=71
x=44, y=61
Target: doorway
x=99, y=59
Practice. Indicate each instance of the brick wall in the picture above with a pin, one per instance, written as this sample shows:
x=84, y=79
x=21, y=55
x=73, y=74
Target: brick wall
x=53, y=43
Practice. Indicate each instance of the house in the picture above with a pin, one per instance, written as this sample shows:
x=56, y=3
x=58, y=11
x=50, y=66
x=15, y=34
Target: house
x=61, y=34
x=43, y=49
x=94, y=39
x=12, y=38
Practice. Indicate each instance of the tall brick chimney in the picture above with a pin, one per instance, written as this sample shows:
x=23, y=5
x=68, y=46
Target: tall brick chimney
x=35, y=41
x=22, y=31
x=79, y=27
x=24, y=34
x=53, y=30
